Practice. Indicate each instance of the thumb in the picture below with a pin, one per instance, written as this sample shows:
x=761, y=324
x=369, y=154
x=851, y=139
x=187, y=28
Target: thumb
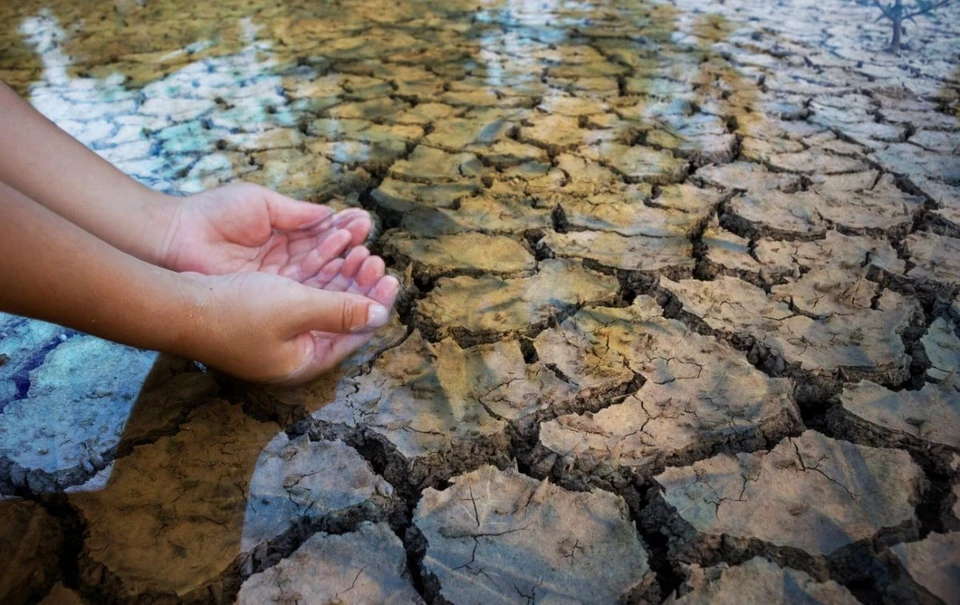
x=338, y=312
x=288, y=214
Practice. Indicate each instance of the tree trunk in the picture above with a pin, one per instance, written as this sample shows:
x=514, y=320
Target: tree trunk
x=897, y=26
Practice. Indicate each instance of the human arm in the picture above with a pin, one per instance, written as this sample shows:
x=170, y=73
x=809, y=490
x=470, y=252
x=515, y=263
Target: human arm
x=220, y=231
x=49, y=166
x=253, y=325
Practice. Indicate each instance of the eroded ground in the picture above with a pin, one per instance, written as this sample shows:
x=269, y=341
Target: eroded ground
x=680, y=322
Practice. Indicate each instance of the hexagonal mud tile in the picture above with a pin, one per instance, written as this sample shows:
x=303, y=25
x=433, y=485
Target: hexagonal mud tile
x=73, y=416
x=700, y=146
x=748, y=176
x=849, y=253
x=553, y=133
x=775, y=214
x=372, y=156
x=804, y=503
x=368, y=110
x=30, y=546
x=185, y=496
x=482, y=213
x=557, y=104
x=926, y=421
x=942, y=346
x=934, y=140
x=364, y=131
x=729, y=254
x=424, y=113
x=699, y=396
x=930, y=567
x=829, y=292
x=669, y=255
x=864, y=343
x=573, y=178
x=464, y=253
x=829, y=141
x=504, y=536
x=318, y=482
x=700, y=202
x=177, y=517
x=759, y=149
x=909, y=159
x=623, y=211
x=491, y=305
x=438, y=405
x=638, y=164
x=536, y=182
x=274, y=138
x=758, y=580
x=403, y=196
x=508, y=153
x=816, y=161
x=872, y=135
x=457, y=133
x=945, y=196
x=936, y=257
x=429, y=165
x=293, y=173
x=368, y=565
x=866, y=202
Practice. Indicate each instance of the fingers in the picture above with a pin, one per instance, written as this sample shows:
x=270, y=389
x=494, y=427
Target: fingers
x=287, y=214
x=369, y=279
x=312, y=261
x=329, y=350
x=370, y=271
x=359, y=226
x=344, y=278
x=325, y=275
x=355, y=220
x=338, y=312
x=385, y=291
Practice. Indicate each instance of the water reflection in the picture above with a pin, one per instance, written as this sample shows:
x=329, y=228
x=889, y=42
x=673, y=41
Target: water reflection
x=570, y=129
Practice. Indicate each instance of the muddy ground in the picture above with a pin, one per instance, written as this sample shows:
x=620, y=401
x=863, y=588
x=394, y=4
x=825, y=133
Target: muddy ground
x=680, y=316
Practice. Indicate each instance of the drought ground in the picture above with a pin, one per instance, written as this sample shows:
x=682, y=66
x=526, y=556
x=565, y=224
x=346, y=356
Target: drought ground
x=680, y=316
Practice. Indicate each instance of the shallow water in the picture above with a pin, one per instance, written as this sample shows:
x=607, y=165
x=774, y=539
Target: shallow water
x=634, y=238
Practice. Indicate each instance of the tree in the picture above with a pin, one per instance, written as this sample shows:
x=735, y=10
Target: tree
x=897, y=13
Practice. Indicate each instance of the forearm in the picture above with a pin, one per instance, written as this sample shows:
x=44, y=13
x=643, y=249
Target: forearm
x=50, y=269
x=51, y=167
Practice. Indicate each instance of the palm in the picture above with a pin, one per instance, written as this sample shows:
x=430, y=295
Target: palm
x=326, y=350
x=245, y=228
x=286, y=321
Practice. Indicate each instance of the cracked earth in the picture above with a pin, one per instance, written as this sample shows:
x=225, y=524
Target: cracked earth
x=680, y=317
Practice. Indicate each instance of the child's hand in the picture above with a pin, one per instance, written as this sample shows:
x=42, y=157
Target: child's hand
x=248, y=228
x=269, y=329
x=239, y=241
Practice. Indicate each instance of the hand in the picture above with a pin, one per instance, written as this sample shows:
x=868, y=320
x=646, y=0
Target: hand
x=248, y=228
x=267, y=328
x=240, y=242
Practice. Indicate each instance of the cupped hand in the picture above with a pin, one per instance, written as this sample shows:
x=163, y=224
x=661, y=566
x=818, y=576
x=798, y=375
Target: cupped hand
x=268, y=328
x=249, y=228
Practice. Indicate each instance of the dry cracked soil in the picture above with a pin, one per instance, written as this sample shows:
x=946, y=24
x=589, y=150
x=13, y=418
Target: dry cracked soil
x=680, y=317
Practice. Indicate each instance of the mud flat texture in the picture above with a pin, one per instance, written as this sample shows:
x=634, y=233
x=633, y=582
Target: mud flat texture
x=679, y=322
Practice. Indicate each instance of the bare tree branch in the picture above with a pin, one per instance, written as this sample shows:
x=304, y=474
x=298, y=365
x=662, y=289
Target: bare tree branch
x=926, y=10
x=886, y=10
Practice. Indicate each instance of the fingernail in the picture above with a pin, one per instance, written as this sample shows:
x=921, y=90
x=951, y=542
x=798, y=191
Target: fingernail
x=377, y=316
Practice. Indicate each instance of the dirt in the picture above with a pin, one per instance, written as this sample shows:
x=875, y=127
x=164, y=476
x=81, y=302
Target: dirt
x=680, y=316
